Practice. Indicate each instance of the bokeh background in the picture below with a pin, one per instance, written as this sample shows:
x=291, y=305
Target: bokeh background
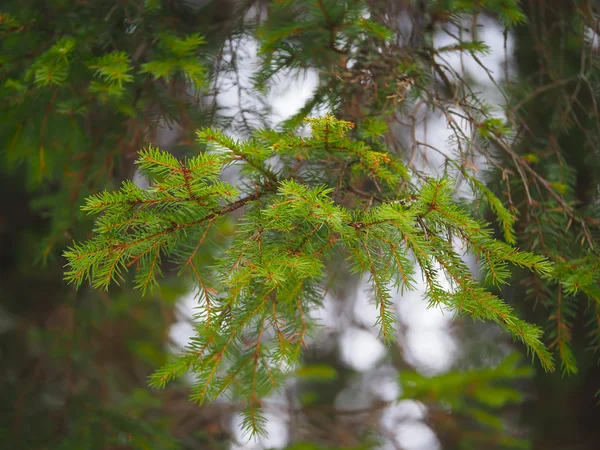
x=74, y=364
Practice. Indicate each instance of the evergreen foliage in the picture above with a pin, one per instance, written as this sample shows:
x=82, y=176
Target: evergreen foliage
x=257, y=296
x=367, y=77
x=84, y=86
x=78, y=91
x=477, y=396
x=556, y=183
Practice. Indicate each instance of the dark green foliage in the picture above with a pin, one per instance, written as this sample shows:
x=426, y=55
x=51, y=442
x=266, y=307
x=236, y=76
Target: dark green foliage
x=78, y=88
x=556, y=159
x=476, y=395
x=77, y=102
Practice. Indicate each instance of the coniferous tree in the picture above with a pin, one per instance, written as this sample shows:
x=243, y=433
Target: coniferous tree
x=349, y=195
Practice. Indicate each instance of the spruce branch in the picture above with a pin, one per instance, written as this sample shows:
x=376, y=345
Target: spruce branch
x=255, y=297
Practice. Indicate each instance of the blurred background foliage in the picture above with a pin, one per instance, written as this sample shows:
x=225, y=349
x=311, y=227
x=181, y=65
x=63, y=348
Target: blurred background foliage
x=84, y=85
